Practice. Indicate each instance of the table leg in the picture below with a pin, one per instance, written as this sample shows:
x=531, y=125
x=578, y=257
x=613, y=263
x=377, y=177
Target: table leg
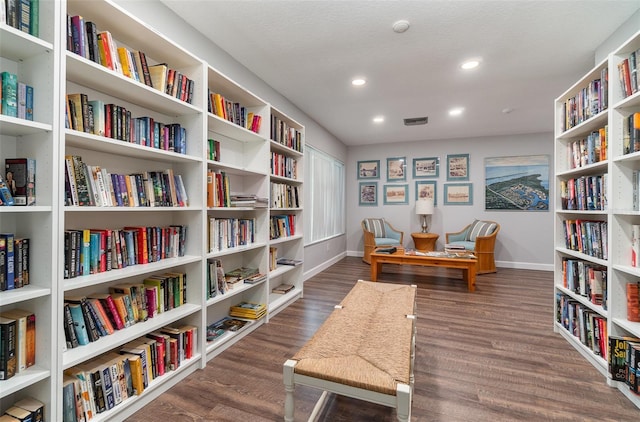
x=471, y=279
x=376, y=268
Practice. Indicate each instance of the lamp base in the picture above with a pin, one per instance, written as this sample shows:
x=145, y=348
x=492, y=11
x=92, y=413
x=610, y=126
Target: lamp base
x=424, y=224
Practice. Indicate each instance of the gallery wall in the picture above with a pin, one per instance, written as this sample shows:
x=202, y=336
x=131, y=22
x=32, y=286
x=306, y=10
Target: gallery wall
x=525, y=239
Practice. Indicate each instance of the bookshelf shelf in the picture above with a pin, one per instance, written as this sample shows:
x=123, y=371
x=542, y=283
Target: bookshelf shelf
x=285, y=239
x=229, y=338
x=17, y=45
x=29, y=292
x=23, y=380
x=617, y=219
x=13, y=126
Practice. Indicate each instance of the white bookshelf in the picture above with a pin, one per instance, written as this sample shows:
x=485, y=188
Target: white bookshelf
x=618, y=215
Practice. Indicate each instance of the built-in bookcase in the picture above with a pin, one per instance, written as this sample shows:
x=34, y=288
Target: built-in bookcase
x=593, y=227
x=35, y=61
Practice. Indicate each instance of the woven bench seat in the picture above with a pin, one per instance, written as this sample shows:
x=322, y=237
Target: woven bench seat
x=364, y=349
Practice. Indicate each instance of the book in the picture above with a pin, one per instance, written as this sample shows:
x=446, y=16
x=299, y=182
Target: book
x=283, y=288
x=158, y=76
x=633, y=301
x=226, y=324
x=9, y=99
x=36, y=407
x=8, y=349
x=6, y=198
x=69, y=412
x=79, y=324
x=7, y=242
x=289, y=261
x=20, y=177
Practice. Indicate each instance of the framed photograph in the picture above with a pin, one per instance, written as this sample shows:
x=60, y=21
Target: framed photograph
x=368, y=193
x=458, y=194
x=369, y=169
x=396, y=169
x=457, y=167
x=426, y=167
x=517, y=183
x=396, y=194
x=427, y=189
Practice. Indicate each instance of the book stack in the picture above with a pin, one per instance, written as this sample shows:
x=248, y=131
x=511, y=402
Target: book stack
x=283, y=134
x=233, y=112
x=248, y=310
x=17, y=97
x=289, y=261
x=225, y=325
x=623, y=361
x=255, y=279
x=14, y=261
x=449, y=247
x=283, y=288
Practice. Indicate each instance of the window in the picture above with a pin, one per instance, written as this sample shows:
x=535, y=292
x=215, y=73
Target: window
x=324, y=197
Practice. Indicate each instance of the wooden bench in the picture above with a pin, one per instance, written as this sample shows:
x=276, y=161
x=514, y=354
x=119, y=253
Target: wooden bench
x=364, y=350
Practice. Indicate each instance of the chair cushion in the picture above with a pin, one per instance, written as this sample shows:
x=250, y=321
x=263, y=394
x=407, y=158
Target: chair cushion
x=383, y=241
x=480, y=228
x=470, y=246
x=375, y=225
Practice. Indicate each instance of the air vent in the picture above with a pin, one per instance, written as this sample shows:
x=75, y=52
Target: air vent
x=415, y=121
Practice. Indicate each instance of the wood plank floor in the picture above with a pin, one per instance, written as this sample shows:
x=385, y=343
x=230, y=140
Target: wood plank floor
x=491, y=355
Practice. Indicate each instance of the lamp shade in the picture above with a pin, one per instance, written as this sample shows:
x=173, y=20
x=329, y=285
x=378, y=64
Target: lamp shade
x=424, y=206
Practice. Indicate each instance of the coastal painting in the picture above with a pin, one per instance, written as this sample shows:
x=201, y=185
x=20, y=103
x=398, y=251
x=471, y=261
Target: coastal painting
x=519, y=183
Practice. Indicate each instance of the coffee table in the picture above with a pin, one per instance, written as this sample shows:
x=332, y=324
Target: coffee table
x=441, y=259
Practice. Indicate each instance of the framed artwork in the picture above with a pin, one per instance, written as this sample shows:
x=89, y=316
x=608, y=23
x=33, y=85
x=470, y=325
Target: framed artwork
x=396, y=169
x=427, y=189
x=396, y=194
x=369, y=169
x=457, y=167
x=426, y=167
x=368, y=193
x=517, y=183
x=458, y=194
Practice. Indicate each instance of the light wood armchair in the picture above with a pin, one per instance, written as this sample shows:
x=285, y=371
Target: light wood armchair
x=483, y=246
x=387, y=236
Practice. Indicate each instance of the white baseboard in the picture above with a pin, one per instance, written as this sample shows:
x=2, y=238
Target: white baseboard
x=313, y=271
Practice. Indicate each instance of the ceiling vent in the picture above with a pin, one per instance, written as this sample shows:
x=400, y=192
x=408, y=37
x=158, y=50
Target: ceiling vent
x=416, y=121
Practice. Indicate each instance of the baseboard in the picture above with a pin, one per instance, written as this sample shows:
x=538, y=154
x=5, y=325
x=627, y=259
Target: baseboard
x=319, y=268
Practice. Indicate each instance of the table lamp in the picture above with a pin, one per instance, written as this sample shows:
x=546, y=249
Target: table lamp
x=424, y=207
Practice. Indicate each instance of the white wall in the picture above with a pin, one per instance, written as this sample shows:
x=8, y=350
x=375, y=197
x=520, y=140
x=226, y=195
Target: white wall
x=526, y=237
x=622, y=34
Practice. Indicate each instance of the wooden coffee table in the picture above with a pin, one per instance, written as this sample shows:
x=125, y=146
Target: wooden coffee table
x=467, y=265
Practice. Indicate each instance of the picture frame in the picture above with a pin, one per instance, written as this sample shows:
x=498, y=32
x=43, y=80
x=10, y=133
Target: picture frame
x=426, y=167
x=517, y=183
x=368, y=194
x=396, y=169
x=396, y=194
x=458, y=194
x=427, y=189
x=369, y=169
x=457, y=167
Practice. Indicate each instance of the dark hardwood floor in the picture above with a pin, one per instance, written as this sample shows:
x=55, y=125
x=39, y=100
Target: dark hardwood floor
x=491, y=355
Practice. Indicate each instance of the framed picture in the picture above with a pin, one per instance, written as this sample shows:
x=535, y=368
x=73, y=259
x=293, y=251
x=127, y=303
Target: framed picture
x=458, y=194
x=368, y=193
x=427, y=189
x=396, y=169
x=517, y=183
x=369, y=169
x=396, y=194
x=457, y=167
x=426, y=167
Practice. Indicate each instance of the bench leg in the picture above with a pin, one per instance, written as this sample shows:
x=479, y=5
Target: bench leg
x=403, y=397
x=289, y=388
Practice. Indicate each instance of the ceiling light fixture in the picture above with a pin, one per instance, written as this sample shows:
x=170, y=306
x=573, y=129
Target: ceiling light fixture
x=358, y=82
x=470, y=64
x=456, y=111
x=378, y=119
x=400, y=26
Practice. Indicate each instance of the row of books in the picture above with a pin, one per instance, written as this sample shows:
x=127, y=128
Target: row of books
x=633, y=301
x=17, y=97
x=284, y=166
x=225, y=325
x=628, y=74
x=84, y=39
x=282, y=226
x=247, y=200
x=21, y=14
x=588, y=102
x=88, y=318
x=226, y=233
x=588, y=326
x=284, y=195
x=17, y=342
x=584, y=193
x=233, y=112
x=631, y=133
x=116, y=122
x=91, y=251
x=14, y=261
x=220, y=282
x=586, y=279
x=248, y=310
x=19, y=185
x=102, y=383
x=586, y=236
x=92, y=185
x=624, y=361
x=218, y=189
x=27, y=409
x=213, y=150
x=589, y=150
x=284, y=134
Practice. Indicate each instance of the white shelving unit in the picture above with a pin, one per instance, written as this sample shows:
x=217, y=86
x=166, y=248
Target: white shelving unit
x=54, y=72
x=36, y=62
x=618, y=215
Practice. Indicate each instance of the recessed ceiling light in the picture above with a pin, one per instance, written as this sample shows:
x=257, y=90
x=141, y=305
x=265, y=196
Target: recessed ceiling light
x=470, y=64
x=358, y=82
x=400, y=26
x=456, y=111
x=378, y=119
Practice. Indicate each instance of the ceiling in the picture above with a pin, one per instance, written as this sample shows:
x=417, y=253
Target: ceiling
x=309, y=51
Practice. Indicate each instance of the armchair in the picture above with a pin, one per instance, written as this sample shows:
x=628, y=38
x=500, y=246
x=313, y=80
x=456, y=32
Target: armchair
x=379, y=233
x=479, y=237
